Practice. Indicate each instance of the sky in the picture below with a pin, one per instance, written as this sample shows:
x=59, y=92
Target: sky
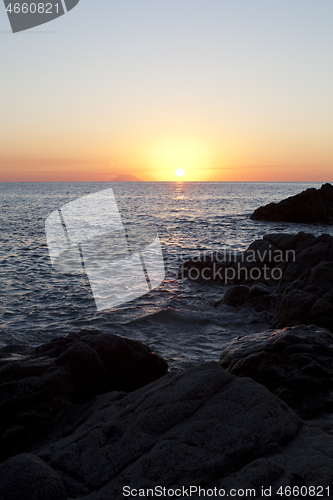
x=227, y=90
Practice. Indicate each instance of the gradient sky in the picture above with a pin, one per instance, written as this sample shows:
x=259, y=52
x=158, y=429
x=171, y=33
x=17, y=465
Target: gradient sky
x=228, y=90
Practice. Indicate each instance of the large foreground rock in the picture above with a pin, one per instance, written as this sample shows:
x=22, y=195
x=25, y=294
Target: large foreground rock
x=187, y=428
x=202, y=427
x=27, y=477
x=42, y=390
x=304, y=463
x=296, y=364
x=310, y=206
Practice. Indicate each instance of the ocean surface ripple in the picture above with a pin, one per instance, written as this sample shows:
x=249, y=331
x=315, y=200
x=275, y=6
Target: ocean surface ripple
x=177, y=320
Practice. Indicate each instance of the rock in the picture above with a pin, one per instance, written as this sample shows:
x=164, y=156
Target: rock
x=28, y=477
x=284, y=241
x=321, y=308
x=188, y=428
x=41, y=393
x=322, y=275
x=294, y=271
x=304, y=463
x=259, y=252
x=275, y=260
x=309, y=299
x=309, y=206
x=257, y=290
x=295, y=307
x=295, y=364
x=203, y=427
x=236, y=295
x=261, y=299
x=207, y=266
x=87, y=371
x=319, y=251
x=329, y=295
x=258, y=297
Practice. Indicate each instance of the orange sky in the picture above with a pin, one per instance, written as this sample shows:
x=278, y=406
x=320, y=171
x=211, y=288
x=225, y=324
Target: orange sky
x=228, y=91
x=201, y=161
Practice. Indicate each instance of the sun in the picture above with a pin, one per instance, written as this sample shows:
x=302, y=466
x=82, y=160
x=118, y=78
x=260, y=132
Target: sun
x=180, y=172
x=163, y=158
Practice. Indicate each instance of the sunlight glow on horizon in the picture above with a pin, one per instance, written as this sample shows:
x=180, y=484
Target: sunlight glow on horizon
x=227, y=91
x=179, y=172
x=163, y=156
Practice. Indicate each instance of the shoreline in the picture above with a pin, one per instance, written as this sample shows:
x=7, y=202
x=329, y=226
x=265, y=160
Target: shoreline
x=260, y=416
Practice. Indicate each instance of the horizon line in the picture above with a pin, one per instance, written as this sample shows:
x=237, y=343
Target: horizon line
x=175, y=181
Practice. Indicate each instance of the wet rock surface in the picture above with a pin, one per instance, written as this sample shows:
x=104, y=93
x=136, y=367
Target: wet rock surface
x=87, y=414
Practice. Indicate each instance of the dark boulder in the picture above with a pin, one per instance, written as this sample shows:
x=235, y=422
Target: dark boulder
x=322, y=275
x=309, y=206
x=285, y=241
x=121, y=364
x=257, y=290
x=296, y=364
x=27, y=477
x=309, y=299
x=258, y=296
x=295, y=307
x=236, y=295
x=43, y=389
x=261, y=298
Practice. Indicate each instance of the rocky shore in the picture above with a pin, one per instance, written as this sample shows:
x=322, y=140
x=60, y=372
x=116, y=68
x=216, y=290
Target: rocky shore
x=43, y=390
x=94, y=416
x=310, y=206
x=287, y=276
x=211, y=426
x=244, y=423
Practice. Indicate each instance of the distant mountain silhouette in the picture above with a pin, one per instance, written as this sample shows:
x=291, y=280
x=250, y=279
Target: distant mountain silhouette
x=126, y=178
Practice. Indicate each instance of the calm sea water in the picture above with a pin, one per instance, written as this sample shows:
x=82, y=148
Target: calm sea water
x=177, y=320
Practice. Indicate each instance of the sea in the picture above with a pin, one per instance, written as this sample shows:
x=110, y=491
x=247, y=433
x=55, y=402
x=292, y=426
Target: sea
x=178, y=319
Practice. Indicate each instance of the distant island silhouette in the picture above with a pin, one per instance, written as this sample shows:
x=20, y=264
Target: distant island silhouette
x=126, y=178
